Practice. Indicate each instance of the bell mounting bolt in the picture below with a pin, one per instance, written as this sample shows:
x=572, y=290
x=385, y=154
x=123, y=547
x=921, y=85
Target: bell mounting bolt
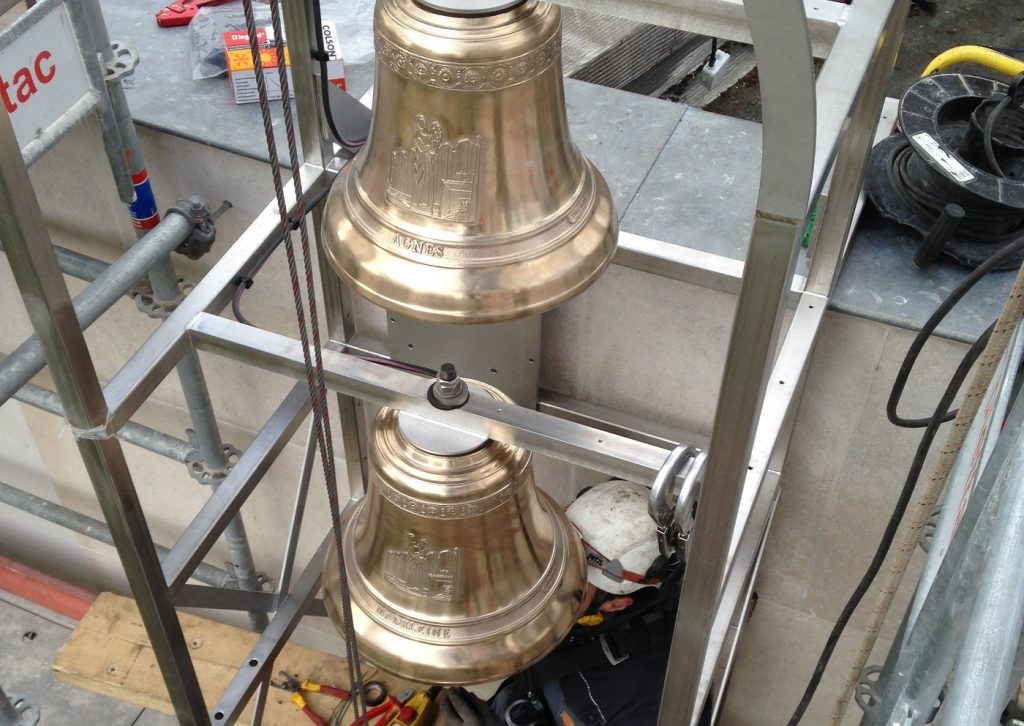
x=448, y=391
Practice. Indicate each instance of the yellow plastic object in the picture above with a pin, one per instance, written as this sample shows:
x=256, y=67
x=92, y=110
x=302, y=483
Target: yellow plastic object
x=974, y=54
x=420, y=703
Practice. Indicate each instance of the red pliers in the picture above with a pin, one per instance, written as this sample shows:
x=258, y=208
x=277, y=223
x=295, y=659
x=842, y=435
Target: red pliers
x=181, y=13
x=376, y=691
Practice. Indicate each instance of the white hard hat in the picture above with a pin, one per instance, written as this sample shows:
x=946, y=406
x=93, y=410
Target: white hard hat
x=619, y=536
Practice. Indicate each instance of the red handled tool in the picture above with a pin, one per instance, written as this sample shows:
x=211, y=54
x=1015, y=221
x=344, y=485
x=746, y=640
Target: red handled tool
x=375, y=690
x=181, y=13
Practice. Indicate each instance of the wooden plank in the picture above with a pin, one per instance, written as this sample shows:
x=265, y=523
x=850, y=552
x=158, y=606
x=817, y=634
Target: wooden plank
x=109, y=653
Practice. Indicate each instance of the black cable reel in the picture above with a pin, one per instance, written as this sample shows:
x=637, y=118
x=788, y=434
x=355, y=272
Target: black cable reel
x=955, y=172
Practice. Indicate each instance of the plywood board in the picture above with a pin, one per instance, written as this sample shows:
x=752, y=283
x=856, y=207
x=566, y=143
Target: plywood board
x=109, y=653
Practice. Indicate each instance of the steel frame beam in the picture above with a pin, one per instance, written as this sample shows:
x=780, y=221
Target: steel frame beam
x=30, y=253
x=752, y=428
x=757, y=399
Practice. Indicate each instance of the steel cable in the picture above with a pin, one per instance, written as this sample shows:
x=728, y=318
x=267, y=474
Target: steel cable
x=313, y=362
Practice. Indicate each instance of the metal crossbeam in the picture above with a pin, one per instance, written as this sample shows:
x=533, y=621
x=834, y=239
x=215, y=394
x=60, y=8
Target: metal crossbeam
x=565, y=440
x=204, y=529
x=30, y=253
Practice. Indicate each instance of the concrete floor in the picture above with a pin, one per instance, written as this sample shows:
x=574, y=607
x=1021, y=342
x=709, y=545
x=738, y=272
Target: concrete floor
x=31, y=637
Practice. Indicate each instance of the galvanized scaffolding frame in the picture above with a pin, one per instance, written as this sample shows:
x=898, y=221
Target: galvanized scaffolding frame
x=817, y=134
x=149, y=259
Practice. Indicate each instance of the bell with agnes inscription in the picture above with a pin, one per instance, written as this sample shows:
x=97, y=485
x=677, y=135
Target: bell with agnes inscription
x=469, y=202
x=460, y=569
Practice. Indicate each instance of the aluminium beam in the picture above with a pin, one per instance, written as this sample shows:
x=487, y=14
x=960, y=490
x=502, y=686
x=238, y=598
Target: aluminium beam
x=156, y=358
x=111, y=285
x=850, y=87
x=41, y=283
x=204, y=529
x=565, y=440
x=260, y=662
x=787, y=89
x=686, y=264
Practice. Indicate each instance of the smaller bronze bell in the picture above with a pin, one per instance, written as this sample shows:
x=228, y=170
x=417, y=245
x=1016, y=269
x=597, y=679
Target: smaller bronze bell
x=460, y=570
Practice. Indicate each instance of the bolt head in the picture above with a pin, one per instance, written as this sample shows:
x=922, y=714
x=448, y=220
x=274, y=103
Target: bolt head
x=447, y=373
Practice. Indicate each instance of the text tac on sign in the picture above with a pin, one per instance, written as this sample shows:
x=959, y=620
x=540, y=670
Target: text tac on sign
x=41, y=74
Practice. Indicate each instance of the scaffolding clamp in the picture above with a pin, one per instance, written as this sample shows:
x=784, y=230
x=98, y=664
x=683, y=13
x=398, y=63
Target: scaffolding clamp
x=201, y=470
x=204, y=233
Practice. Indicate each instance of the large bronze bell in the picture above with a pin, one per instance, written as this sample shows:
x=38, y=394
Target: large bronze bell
x=460, y=569
x=469, y=202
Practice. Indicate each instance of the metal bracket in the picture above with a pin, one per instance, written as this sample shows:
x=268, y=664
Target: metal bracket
x=199, y=470
x=865, y=691
x=122, y=64
x=145, y=300
x=663, y=502
x=685, y=511
x=204, y=233
x=866, y=695
x=928, y=531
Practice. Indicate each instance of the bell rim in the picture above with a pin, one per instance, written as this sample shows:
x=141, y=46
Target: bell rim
x=574, y=261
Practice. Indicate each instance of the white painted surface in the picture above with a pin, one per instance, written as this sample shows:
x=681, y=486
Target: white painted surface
x=41, y=75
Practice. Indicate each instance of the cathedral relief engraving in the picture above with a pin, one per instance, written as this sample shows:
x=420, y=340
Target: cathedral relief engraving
x=436, y=177
x=422, y=571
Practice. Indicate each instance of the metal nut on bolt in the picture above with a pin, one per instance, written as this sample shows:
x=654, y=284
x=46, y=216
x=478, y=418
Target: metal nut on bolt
x=448, y=391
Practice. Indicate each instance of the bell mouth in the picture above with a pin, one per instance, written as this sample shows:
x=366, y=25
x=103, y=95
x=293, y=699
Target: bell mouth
x=481, y=278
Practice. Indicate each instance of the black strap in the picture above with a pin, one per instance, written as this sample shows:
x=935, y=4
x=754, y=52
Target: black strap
x=609, y=647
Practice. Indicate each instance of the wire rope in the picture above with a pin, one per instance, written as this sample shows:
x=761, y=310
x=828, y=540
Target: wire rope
x=308, y=329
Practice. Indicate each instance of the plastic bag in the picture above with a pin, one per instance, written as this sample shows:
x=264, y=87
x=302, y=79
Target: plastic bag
x=353, y=19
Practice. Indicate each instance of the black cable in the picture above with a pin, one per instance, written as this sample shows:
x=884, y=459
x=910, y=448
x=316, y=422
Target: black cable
x=926, y=332
x=931, y=426
x=925, y=193
x=894, y=520
x=990, y=124
x=320, y=55
x=244, y=283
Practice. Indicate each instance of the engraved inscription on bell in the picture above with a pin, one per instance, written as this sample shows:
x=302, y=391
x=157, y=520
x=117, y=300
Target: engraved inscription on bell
x=422, y=571
x=436, y=177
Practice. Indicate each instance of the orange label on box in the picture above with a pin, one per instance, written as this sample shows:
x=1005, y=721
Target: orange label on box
x=242, y=69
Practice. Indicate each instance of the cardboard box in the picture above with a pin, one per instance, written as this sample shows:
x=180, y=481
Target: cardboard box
x=242, y=72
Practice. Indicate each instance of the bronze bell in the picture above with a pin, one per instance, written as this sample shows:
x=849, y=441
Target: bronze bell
x=469, y=202
x=460, y=569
